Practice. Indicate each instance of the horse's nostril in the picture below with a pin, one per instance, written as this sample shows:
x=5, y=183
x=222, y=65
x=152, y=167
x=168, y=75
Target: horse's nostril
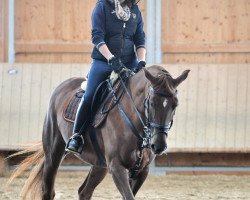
x=158, y=149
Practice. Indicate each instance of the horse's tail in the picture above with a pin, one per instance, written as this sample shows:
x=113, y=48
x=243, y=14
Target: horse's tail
x=35, y=160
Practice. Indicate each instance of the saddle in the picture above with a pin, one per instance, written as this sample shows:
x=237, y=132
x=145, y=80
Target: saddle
x=103, y=101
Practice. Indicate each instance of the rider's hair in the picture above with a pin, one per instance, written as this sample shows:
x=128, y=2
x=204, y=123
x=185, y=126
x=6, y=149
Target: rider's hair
x=130, y=2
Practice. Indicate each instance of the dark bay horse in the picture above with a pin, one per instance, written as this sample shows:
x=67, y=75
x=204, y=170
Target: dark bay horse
x=154, y=93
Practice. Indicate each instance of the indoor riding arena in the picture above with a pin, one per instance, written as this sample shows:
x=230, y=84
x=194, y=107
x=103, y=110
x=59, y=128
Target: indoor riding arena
x=45, y=42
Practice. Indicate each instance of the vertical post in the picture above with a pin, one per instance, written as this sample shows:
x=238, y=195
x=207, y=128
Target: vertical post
x=11, y=50
x=158, y=21
x=151, y=31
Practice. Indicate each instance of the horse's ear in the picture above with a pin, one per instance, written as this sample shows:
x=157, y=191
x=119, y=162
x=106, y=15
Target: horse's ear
x=181, y=78
x=150, y=77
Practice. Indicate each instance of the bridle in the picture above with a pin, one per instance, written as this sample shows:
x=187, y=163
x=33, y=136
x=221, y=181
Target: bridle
x=144, y=139
x=149, y=123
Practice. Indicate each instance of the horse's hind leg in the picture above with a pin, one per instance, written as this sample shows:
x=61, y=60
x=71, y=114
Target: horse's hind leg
x=95, y=176
x=53, y=145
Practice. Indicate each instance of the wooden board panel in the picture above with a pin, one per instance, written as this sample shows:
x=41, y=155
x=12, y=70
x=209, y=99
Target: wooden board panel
x=206, y=22
x=15, y=104
x=231, y=92
x=247, y=119
x=204, y=159
x=39, y=91
x=53, y=58
x=57, y=28
x=44, y=94
x=190, y=104
x=201, y=104
x=25, y=99
x=180, y=120
x=213, y=114
x=3, y=30
x=221, y=108
x=193, y=29
x=53, y=21
x=54, y=31
x=241, y=106
x=204, y=58
x=5, y=107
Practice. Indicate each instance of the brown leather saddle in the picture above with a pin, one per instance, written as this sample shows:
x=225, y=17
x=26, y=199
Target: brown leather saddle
x=103, y=102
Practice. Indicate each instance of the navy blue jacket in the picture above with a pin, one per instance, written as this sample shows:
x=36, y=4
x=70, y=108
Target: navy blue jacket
x=122, y=38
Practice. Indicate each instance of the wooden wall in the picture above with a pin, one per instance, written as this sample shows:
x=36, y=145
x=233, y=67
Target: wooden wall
x=57, y=31
x=214, y=111
x=24, y=98
x=213, y=115
x=53, y=31
x=193, y=31
x=3, y=30
x=198, y=31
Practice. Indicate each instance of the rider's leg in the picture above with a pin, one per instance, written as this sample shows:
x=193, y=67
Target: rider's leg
x=99, y=71
x=82, y=119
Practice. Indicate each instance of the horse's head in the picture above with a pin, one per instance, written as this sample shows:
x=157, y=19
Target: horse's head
x=160, y=105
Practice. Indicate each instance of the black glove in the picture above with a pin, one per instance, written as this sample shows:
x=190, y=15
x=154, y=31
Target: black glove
x=125, y=73
x=140, y=65
x=116, y=64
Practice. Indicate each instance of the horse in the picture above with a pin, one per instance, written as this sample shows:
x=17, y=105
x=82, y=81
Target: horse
x=152, y=91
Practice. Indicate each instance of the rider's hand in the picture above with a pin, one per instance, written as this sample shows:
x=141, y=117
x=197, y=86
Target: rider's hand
x=116, y=64
x=125, y=73
x=140, y=65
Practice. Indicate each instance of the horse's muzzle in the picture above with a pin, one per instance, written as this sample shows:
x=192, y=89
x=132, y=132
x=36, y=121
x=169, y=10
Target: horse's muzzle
x=158, y=150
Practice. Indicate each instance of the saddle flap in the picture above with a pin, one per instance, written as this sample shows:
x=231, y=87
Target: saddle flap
x=103, y=102
x=106, y=105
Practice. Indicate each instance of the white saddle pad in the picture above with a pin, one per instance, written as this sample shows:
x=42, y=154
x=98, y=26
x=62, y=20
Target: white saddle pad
x=113, y=78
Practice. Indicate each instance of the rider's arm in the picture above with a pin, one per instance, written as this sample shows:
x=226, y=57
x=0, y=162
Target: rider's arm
x=98, y=30
x=141, y=54
x=105, y=51
x=140, y=40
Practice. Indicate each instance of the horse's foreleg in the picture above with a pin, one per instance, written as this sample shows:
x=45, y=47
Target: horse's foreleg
x=139, y=180
x=121, y=179
x=95, y=176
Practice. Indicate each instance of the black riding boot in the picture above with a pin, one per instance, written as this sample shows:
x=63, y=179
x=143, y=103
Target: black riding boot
x=82, y=120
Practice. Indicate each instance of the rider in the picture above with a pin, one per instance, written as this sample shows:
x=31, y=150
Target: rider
x=119, y=43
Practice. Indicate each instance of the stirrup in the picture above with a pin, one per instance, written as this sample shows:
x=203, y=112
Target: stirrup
x=80, y=149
